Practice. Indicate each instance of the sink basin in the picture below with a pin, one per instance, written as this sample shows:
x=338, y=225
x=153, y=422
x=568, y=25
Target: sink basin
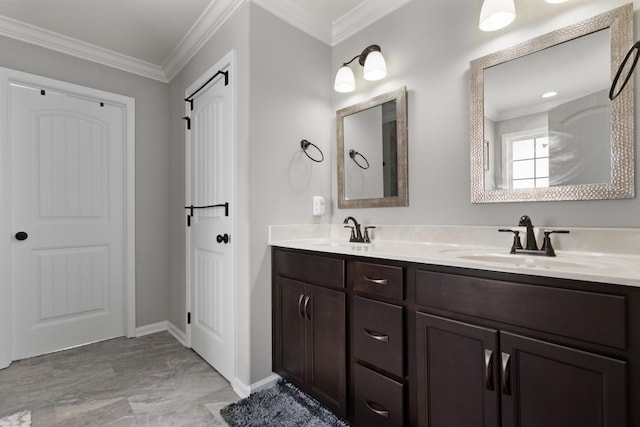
x=544, y=262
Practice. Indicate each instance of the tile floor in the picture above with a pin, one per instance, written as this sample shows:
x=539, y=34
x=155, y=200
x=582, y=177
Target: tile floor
x=147, y=381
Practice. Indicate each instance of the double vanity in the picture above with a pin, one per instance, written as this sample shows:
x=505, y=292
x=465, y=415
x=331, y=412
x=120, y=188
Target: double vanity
x=469, y=326
x=416, y=329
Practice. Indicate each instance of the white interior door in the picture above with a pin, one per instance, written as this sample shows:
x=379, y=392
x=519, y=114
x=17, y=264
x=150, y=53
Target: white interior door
x=210, y=256
x=68, y=197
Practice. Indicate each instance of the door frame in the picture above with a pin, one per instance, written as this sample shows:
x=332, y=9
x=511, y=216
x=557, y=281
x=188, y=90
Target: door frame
x=226, y=63
x=8, y=76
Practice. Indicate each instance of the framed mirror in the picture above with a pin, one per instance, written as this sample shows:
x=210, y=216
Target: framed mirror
x=372, y=152
x=542, y=125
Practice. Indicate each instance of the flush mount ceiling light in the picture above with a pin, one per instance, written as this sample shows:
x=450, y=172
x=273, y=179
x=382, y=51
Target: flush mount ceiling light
x=496, y=14
x=550, y=94
x=555, y=1
x=374, y=69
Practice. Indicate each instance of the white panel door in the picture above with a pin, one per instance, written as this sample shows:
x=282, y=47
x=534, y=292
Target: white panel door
x=67, y=195
x=210, y=258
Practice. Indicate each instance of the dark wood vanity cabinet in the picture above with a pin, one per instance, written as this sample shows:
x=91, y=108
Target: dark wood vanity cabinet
x=309, y=326
x=468, y=374
x=405, y=344
x=504, y=378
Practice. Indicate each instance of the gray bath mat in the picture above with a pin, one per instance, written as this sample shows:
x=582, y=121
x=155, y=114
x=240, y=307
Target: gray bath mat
x=282, y=405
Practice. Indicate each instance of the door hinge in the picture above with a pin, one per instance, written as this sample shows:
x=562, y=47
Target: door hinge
x=189, y=318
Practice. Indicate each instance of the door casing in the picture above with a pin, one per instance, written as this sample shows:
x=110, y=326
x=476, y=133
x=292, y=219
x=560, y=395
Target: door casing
x=8, y=76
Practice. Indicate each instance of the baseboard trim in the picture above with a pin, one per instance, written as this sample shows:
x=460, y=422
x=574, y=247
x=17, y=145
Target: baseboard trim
x=151, y=329
x=243, y=390
x=161, y=327
x=177, y=333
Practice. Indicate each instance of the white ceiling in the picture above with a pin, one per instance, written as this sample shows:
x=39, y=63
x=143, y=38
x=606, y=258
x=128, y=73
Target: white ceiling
x=155, y=38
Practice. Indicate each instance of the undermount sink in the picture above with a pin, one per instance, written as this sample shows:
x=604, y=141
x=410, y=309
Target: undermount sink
x=542, y=261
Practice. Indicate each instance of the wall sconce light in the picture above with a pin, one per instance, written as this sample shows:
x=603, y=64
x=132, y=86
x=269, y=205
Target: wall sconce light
x=374, y=69
x=496, y=14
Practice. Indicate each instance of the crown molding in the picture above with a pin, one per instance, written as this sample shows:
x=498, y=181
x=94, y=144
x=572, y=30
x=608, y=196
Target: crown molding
x=216, y=14
x=31, y=34
x=362, y=16
x=211, y=20
x=298, y=16
x=206, y=26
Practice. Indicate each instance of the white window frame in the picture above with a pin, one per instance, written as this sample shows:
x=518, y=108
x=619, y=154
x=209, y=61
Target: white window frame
x=507, y=154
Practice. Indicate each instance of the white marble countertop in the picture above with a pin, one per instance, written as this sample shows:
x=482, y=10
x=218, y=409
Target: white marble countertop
x=617, y=261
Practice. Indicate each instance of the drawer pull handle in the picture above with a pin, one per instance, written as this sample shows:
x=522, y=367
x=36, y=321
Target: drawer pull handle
x=383, y=282
x=382, y=412
x=300, y=305
x=506, y=374
x=376, y=335
x=488, y=369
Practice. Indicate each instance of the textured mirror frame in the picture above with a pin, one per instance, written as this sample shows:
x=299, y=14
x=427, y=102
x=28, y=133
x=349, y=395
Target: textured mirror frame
x=400, y=97
x=620, y=22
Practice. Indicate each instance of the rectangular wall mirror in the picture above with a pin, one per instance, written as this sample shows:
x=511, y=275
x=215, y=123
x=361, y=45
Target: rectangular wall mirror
x=542, y=125
x=372, y=152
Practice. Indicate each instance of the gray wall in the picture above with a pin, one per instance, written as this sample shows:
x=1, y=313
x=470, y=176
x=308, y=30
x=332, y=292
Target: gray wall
x=152, y=149
x=428, y=46
x=290, y=101
x=282, y=85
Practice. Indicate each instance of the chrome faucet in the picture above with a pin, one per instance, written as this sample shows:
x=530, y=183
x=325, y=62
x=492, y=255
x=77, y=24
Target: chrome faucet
x=356, y=232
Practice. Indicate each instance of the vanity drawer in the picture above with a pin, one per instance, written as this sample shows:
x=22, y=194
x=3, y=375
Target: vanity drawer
x=588, y=316
x=376, y=279
x=378, y=400
x=377, y=334
x=307, y=268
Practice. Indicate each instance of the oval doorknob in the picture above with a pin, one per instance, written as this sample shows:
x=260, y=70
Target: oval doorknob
x=223, y=238
x=21, y=235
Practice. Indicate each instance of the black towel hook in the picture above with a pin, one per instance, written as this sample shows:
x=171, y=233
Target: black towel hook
x=304, y=144
x=613, y=94
x=353, y=154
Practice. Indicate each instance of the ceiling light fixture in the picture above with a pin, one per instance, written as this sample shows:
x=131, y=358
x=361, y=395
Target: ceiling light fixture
x=374, y=65
x=550, y=94
x=496, y=14
x=555, y=1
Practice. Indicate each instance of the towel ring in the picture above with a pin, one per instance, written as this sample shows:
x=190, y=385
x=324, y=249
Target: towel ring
x=304, y=144
x=353, y=154
x=636, y=48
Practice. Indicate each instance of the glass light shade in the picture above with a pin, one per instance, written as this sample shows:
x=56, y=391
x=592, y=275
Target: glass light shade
x=374, y=66
x=345, y=80
x=496, y=14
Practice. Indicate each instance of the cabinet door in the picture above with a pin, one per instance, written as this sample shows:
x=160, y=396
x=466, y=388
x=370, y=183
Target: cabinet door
x=326, y=344
x=289, y=330
x=544, y=384
x=457, y=370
